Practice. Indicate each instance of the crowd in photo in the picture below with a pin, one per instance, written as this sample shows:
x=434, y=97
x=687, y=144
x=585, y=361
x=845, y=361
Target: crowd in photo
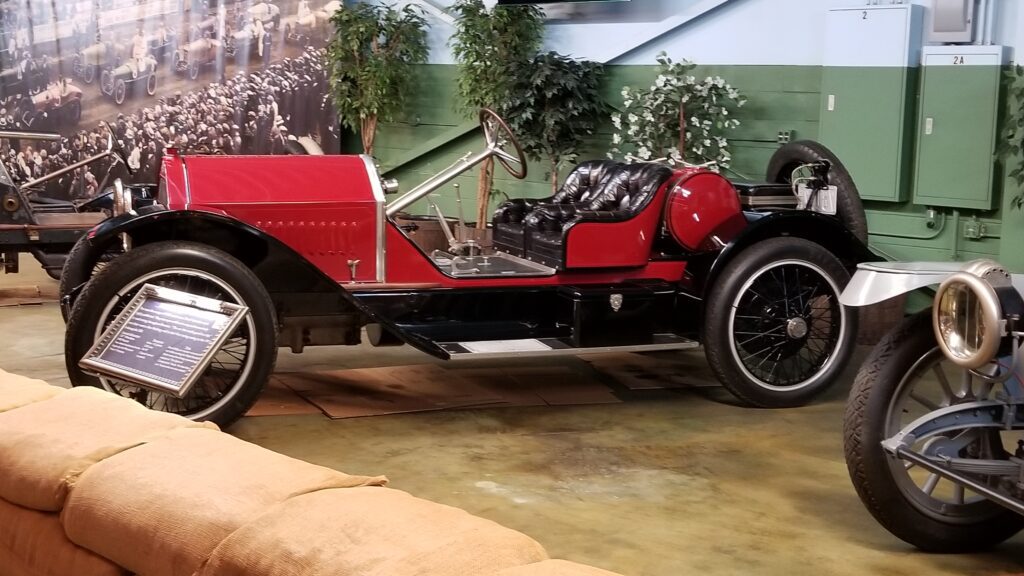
x=249, y=113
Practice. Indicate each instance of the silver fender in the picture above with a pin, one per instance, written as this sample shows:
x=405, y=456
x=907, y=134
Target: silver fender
x=877, y=281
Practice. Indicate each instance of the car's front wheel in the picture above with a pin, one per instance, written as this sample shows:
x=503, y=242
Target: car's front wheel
x=239, y=369
x=775, y=333
x=906, y=377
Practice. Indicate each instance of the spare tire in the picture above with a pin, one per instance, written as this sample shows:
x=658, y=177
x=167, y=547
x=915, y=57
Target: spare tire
x=849, y=207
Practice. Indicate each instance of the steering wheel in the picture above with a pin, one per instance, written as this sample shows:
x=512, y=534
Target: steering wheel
x=499, y=136
x=114, y=147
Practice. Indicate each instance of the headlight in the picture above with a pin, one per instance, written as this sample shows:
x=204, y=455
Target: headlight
x=968, y=320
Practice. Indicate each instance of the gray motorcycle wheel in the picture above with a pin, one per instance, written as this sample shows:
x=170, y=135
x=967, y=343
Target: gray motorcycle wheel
x=901, y=380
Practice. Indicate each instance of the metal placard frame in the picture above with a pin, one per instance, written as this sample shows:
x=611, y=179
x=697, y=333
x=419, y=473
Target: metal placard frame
x=95, y=363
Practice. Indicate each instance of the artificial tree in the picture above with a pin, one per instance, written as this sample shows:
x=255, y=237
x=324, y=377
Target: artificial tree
x=679, y=118
x=1012, y=145
x=493, y=49
x=372, y=56
x=555, y=106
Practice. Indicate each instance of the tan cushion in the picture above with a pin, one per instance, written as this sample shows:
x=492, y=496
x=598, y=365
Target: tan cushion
x=17, y=391
x=161, y=508
x=555, y=568
x=33, y=543
x=370, y=532
x=45, y=446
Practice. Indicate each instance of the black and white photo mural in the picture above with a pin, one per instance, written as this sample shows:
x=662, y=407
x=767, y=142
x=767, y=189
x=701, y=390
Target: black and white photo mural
x=212, y=76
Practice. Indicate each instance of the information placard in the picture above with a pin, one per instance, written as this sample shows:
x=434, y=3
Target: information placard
x=164, y=339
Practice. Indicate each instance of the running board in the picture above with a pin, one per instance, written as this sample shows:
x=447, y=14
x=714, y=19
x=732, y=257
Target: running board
x=487, y=349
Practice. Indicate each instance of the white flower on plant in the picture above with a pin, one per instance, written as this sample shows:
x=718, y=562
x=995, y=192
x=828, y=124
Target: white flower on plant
x=648, y=116
x=627, y=103
x=706, y=142
x=617, y=121
x=644, y=153
x=660, y=82
x=632, y=118
x=616, y=139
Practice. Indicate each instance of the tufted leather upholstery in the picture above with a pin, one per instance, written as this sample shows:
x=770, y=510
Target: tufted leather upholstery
x=624, y=194
x=580, y=186
x=626, y=191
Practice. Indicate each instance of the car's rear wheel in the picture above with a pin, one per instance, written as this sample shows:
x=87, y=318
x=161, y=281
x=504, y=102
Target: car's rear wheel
x=791, y=157
x=151, y=83
x=193, y=70
x=905, y=377
x=775, y=333
x=89, y=74
x=240, y=368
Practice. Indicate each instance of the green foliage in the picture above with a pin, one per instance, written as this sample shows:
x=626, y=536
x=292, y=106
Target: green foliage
x=372, y=54
x=493, y=49
x=649, y=125
x=1011, y=145
x=555, y=106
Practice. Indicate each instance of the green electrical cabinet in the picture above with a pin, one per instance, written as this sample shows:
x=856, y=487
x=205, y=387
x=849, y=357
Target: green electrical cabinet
x=867, y=111
x=957, y=126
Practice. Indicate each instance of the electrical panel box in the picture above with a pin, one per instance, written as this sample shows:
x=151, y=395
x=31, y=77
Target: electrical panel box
x=870, y=63
x=951, y=21
x=957, y=126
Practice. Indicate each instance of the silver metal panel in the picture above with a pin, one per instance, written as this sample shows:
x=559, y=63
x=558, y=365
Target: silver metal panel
x=878, y=281
x=378, y=196
x=527, y=349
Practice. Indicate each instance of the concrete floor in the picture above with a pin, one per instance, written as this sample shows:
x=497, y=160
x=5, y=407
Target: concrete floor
x=665, y=483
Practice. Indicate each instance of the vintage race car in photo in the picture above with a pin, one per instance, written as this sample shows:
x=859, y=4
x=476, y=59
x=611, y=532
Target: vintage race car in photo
x=933, y=426
x=309, y=24
x=60, y=104
x=191, y=58
x=626, y=257
x=132, y=76
x=246, y=42
x=89, y=60
x=267, y=13
x=24, y=79
x=48, y=228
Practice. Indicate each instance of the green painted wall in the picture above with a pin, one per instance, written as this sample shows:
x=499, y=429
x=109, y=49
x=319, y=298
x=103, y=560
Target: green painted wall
x=432, y=135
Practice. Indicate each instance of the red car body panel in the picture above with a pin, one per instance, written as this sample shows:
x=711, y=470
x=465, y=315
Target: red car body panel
x=323, y=207
x=702, y=205
x=330, y=211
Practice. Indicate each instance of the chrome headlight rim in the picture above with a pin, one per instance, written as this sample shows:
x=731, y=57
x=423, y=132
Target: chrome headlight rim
x=122, y=198
x=991, y=317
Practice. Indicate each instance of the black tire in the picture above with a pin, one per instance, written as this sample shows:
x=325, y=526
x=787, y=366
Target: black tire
x=882, y=481
x=83, y=261
x=775, y=334
x=849, y=207
x=120, y=92
x=222, y=395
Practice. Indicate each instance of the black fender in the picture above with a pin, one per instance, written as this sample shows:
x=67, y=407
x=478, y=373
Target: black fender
x=822, y=229
x=281, y=269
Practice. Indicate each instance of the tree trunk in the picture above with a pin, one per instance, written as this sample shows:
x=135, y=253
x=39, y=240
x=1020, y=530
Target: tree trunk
x=554, y=176
x=368, y=133
x=483, y=192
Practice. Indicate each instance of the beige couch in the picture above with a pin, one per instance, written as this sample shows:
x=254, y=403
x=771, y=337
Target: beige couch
x=94, y=484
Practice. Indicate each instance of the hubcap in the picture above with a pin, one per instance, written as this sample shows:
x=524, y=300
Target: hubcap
x=796, y=328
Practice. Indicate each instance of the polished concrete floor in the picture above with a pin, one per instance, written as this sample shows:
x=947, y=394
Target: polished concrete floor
x=665, y=483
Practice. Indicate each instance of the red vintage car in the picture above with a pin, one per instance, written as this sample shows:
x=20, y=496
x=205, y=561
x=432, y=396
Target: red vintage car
x=626, y=257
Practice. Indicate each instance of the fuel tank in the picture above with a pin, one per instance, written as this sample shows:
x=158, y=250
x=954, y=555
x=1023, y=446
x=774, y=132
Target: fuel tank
x=703, y=211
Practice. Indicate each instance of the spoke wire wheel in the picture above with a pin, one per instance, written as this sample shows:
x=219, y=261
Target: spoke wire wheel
x=932, y=383
x=905, y=377
x=775, y=333
x=239, y=370
x=151, y=83
x=786, y=325
x=230, y=365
